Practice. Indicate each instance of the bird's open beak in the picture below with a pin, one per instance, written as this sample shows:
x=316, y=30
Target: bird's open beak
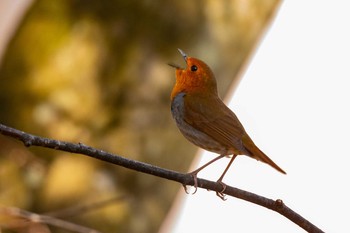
x=184, y=55
x=174, y=65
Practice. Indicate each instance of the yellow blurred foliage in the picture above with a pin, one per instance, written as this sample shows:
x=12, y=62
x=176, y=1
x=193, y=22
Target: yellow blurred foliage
x=13, y=188
x=68, y=180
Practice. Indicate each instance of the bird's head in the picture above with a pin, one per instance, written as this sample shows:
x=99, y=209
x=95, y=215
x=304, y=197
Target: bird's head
x=197, y=77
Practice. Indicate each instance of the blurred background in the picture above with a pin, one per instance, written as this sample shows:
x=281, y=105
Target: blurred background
x=96, y=72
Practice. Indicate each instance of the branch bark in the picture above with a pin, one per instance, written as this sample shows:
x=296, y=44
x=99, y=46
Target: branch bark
x=184, y=179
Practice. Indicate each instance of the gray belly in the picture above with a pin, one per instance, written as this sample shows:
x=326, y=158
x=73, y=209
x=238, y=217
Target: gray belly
x=192, y=134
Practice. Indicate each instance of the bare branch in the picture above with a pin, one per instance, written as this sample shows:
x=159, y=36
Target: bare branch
x=184, y=179
x=38, y=218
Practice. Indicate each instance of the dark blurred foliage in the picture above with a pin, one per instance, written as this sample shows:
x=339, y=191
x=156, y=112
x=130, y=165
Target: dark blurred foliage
x=95, y=72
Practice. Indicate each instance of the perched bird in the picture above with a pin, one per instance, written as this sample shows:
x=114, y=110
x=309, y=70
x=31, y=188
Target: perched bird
x=206, y=121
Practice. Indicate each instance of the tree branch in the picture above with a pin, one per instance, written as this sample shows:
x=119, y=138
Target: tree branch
x=184, y=179
x=39, y=218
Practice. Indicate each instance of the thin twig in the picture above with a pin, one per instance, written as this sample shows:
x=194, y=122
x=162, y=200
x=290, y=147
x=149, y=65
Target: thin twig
x=184, y=179
x=38, y=218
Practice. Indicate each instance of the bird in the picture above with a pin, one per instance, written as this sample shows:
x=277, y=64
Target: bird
x=204, y=119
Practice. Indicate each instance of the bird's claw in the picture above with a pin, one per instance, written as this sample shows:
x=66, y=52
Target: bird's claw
x=195, y=185
x=221, y=193
x=185, y=188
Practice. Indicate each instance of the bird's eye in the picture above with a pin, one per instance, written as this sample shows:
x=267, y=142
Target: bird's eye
x=194, y=68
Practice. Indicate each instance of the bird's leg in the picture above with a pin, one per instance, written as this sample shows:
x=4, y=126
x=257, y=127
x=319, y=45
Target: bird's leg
x=220, y=194
x=195, y=172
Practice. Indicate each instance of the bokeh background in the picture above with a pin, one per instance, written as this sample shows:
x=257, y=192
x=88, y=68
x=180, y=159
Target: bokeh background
x=96, y=72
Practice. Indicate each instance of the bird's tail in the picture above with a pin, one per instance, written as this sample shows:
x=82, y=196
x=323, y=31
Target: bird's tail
x=256, y=153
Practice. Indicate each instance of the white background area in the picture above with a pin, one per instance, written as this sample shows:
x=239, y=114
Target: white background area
x=294, y=101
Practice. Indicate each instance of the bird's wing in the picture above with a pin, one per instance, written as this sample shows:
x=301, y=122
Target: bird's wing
x=212, y=117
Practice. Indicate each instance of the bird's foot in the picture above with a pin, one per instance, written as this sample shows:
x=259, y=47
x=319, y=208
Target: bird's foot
x=195, y=181
x=221, y=193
